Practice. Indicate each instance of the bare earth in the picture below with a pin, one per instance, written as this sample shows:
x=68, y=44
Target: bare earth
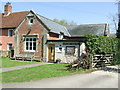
x=97, y=79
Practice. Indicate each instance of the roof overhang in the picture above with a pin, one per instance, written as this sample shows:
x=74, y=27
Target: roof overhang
x=65, y=40
x=7, y=27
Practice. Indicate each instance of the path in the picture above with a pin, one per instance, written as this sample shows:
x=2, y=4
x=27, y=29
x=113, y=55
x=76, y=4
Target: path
x=97, y=79
x=21, y=67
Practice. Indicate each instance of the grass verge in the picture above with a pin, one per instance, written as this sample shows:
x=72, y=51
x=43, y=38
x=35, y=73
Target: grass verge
x=7, y=62
x=37, y=73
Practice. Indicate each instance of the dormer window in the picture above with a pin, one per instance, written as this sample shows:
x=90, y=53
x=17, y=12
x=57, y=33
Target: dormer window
x=31, y=20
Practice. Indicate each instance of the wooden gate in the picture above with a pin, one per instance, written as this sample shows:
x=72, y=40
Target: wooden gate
x=102, y=60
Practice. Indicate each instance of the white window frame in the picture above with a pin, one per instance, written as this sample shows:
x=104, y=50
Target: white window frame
x=8, y=46
x=29, y=44
x=70, y=53
x=30, y=20
x=9, y=32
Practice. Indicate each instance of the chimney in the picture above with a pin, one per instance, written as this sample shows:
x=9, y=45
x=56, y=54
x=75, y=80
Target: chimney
x=7, y=9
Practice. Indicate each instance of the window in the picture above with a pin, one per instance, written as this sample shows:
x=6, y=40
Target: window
x=9, y=46
x=31, y=21
x=70, y=50
x=30, y=44
x=10, y=32
x=60, y=48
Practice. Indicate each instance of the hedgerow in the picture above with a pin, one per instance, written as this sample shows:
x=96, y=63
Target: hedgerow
x=103, y=45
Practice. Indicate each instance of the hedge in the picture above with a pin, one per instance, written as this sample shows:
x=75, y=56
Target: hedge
x=103, y=45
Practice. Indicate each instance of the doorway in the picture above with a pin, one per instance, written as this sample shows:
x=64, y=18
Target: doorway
x=51, y=52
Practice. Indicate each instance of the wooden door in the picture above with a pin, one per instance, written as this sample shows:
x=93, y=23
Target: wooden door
x=51, y=52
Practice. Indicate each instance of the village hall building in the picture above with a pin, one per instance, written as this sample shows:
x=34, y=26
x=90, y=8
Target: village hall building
x=28, y=33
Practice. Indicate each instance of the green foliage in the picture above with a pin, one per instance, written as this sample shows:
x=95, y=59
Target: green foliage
x=64, y=22
x=117, y=56
x=103, y=45
x=37, y=73
x=7, y=62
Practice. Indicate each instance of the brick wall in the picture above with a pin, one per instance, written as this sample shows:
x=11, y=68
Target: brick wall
x=5, y=39
x=25, y=29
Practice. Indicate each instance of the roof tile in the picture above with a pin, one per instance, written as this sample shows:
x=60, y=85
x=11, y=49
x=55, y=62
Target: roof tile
x=13, y=19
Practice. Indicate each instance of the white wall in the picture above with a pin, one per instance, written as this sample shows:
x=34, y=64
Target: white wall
x=61, y=54
x=66, y=58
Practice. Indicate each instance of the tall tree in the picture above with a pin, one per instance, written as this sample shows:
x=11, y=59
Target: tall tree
x=118, y=31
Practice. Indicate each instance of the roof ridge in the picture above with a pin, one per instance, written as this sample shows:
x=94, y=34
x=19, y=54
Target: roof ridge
x=20, y=12
x=51, y=20
x=16, y=12
x=88, y=24
x=94, y=24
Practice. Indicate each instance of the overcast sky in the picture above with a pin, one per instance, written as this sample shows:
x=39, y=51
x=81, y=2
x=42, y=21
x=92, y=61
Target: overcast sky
x=79, y=12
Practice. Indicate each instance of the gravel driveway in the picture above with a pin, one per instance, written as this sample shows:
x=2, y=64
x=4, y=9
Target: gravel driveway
x=97, y=79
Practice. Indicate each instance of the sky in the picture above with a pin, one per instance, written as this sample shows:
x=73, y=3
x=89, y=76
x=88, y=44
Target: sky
x=79, y=12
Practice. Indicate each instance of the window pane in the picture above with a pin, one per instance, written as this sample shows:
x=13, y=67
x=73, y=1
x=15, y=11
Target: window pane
x=26, y=45
x=31, y=46
x=31, y=20
x=34, y=45
x=30, y=39
x=70, y=50
x=9, y=46
x=34, y=48
x=10, y=32
x=27, y=39
x=34, y=39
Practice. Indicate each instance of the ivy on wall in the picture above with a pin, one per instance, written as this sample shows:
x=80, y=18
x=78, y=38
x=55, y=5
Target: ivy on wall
x=103, y=45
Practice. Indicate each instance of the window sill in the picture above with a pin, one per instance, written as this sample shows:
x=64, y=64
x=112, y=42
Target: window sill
x=10, y=36
x=30, y=51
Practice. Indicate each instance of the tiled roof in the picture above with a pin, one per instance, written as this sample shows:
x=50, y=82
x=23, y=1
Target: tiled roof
x=13, y=19
x=87, y=29
x=53, y=26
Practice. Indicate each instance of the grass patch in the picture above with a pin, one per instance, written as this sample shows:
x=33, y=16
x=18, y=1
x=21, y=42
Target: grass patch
x=7, y=62
x=37, y=73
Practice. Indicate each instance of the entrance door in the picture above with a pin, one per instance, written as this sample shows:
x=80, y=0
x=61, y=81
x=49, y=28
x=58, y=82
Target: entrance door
x=51, y=52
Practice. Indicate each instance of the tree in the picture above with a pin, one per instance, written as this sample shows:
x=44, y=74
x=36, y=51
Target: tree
x=118, y=31
x=64, y=22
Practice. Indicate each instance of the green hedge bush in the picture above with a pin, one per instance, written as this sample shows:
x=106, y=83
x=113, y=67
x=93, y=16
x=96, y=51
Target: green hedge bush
x=103, y=45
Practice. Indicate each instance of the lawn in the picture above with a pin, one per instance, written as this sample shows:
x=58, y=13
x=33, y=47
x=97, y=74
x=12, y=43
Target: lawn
x=37, y=73
x=6, y=62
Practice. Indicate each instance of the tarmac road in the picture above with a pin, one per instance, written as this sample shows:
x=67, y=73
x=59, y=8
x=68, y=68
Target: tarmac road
x=97, y=79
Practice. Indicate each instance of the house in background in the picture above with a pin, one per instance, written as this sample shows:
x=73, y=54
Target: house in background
x=10, y=21
x=39, y=36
